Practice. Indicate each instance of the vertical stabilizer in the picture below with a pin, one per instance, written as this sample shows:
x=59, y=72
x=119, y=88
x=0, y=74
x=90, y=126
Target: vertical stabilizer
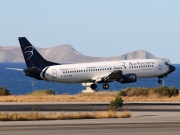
x=32, y=56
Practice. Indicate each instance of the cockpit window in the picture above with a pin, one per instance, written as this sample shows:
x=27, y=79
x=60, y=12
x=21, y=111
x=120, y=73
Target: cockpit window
x=167, y=63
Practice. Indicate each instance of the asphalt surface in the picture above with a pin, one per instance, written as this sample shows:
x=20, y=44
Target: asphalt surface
x=90, y=106
x=144, y=125
x=147, y=118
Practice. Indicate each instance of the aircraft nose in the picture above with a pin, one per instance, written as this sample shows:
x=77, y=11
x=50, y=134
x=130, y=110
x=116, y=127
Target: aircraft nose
x=171, y=69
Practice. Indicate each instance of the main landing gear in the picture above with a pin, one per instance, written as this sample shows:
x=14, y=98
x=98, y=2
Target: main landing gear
x=91, y=87
x=94, y=86
x=105, y=86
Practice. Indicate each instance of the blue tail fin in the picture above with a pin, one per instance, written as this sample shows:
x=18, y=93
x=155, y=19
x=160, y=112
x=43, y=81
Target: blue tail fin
x=32, y=56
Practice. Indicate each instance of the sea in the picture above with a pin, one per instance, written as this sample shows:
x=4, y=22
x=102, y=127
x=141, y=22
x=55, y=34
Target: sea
x=18, y=84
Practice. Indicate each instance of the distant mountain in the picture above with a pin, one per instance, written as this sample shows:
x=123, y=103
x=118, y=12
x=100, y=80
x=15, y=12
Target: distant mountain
x=66, y=53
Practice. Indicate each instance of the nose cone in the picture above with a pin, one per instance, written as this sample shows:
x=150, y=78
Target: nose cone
x=171, y=69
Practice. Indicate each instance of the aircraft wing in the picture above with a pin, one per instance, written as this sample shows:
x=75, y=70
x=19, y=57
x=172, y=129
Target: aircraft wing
x=111, y=77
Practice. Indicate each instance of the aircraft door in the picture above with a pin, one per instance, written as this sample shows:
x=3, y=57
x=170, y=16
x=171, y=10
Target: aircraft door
x=160, y=65
x=122, y=66
x=54, y=74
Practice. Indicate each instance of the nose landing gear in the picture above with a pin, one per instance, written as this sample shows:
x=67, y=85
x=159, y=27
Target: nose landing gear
x=159, y=81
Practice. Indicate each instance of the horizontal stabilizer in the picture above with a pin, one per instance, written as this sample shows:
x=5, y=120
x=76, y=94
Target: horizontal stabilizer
x=17, y=69
x=33, y=72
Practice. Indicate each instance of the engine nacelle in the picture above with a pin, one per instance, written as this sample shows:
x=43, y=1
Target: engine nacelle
x=128, y=78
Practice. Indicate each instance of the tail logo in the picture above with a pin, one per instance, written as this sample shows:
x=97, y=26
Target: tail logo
x=29, y=53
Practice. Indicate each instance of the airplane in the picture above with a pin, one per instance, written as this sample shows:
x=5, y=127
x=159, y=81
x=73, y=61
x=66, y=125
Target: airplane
x=92, y=73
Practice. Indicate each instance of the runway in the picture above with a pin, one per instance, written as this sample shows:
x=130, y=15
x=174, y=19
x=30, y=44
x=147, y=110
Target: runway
x=147, y=118
x=150, y=125
x=88, y=106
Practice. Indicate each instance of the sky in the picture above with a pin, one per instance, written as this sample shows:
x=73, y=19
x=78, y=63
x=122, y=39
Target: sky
x=101, y=28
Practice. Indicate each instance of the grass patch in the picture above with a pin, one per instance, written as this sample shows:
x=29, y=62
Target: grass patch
x=129, y=95
x=42, y=92
x=116, y=103
x=34, y=116
x=100, y=94
x=4, y=91
x=161, y=91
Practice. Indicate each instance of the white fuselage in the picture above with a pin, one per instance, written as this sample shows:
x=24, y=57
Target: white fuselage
x=90, y=72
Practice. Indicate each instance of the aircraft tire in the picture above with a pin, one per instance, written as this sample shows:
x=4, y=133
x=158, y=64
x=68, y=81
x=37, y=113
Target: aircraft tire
x=93, y=86
x=159, y=81
x=105, y=86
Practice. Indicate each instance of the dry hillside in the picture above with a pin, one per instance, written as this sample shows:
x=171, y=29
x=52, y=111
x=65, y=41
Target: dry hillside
x=66, y=53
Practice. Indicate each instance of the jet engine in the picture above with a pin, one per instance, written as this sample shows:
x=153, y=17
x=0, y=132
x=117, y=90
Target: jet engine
x=128, y=78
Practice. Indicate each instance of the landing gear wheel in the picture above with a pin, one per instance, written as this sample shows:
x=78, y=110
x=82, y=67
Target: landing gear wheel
x=159, y=81
x=93, y=86
x=105, y=86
